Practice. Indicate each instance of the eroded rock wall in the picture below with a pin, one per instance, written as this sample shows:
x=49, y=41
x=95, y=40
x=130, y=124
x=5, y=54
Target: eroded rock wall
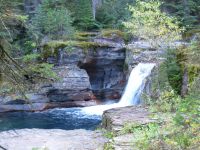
x=87, y=76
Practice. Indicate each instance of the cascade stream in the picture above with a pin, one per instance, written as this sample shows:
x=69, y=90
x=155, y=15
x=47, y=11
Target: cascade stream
x=78, y=118
x=132, y=91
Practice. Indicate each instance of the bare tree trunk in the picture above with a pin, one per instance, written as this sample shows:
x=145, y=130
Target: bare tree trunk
x=95, y=4
x=185, y=82
x=186, y=8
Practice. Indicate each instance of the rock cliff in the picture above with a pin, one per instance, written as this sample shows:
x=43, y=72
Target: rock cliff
x=88, y=75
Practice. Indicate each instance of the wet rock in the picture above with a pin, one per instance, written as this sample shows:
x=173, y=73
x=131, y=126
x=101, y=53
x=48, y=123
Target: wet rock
x=29, y=139
x=23, y=107
x=115, y=119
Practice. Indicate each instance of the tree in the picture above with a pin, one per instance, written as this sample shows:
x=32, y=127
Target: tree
x=83, y=15
x=149, y=23
x=15, y=75
x=53, y=19
x=113, y=12
x=95, y=4
x=187, y=12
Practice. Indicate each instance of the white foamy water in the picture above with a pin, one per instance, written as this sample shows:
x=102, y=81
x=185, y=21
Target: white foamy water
x=133, y=90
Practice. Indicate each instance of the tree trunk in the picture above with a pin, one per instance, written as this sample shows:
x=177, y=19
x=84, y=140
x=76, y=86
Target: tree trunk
x=186, y=8
x=95, y=4
x=185, y=82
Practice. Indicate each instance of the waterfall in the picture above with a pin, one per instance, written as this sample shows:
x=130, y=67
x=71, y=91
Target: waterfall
x=132, y=92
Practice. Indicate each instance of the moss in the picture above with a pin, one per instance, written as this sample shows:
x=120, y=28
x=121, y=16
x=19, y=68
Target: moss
x=111, y=32
x=191, y=32
x=51, y=48
x=84, y=36
x=114, y=32
x=62, y=44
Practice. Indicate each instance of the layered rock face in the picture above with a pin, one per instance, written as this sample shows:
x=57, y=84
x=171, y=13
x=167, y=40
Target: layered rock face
x=87, y=76
x=103, y=64
x=105, y=69
x=73, y=89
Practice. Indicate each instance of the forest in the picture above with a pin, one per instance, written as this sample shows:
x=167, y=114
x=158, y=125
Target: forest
x=38, y=36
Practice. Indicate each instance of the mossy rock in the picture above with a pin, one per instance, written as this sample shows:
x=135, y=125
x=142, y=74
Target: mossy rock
x=81, y=44
x=51, y=48
x=110, y=32
x=191, y=32
x=84, y=36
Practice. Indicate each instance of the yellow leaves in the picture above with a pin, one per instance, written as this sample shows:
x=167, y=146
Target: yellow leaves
x=150, y=23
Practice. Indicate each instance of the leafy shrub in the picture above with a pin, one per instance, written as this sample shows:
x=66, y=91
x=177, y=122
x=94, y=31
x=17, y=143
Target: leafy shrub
x=149, y=23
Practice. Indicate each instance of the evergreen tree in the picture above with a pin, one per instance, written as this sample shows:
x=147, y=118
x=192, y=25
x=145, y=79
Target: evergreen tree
x=83, y=15
x=187, y=11
x=54, y=19
x=113, y=12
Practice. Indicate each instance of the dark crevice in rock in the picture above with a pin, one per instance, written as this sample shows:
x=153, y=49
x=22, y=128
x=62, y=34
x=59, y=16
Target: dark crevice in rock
x=106, y=73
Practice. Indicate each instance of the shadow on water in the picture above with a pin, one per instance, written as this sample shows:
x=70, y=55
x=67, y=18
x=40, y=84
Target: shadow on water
x=67, y=119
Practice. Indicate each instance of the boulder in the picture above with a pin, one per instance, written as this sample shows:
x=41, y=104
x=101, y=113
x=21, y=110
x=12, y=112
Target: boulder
x=115, y=119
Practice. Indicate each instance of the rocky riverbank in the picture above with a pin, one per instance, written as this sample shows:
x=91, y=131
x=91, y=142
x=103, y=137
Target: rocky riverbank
x=114, y=122
x=38, y=139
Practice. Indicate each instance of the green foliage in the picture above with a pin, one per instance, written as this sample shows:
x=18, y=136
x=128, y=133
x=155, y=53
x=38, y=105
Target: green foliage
x=149, y=23
x=83, y=15
x=29, y=46
x=142, y=134
x=186, y=11
x=109, y=134
x=168, y=101
x=54, y=20
x=174, y=70
x=38, y=70
x=113, y=12
x=84, y=36
x=52, y=47
x=11, y=19
x=108, y=146
x=42, y=71
x=29, y=58
x=112, y=32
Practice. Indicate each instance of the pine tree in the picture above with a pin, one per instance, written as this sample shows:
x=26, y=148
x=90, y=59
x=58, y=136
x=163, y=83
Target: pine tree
x=83, y=14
